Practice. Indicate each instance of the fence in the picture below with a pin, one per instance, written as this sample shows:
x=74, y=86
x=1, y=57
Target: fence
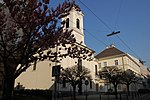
x=102, y=96
x=32, y=95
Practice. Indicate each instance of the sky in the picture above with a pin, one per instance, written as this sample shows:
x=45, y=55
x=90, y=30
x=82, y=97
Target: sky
x=130, y=17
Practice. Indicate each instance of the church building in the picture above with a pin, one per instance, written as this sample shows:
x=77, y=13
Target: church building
x=41, y=76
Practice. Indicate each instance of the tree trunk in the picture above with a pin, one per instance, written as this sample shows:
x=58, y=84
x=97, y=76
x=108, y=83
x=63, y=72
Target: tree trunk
x=8, y=88
x=116, y=93
x=74, y=92
x=128, y=89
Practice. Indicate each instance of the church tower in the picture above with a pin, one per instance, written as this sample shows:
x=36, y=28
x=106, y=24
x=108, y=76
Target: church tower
x=74, y=21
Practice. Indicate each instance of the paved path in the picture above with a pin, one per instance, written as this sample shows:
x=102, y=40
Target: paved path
x=108, y=97
x=144, y=97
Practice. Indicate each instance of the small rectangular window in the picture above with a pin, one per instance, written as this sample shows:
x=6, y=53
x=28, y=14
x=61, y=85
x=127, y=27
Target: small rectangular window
x=105, y=64
x=116, y=62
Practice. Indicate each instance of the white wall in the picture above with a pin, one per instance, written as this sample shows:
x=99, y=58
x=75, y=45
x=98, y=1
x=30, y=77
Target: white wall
x=37, y=79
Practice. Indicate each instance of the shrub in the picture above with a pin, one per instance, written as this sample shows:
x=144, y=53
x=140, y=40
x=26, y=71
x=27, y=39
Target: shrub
x=143, y=91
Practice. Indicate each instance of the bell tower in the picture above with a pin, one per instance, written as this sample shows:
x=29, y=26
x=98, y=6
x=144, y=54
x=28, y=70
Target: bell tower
x=74, y=21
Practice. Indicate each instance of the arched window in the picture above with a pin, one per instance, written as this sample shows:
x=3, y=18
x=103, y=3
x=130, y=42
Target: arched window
x=78, y=23
x=67, y=22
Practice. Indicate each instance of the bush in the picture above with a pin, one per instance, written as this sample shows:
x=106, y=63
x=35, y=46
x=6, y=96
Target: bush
x=143, y=91
x=110, y=92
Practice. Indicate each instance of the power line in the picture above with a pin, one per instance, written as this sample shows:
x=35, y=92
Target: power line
x=90, y=34
x=127, y=46
x=108, y=26
x=96, y=15
x=96, y=38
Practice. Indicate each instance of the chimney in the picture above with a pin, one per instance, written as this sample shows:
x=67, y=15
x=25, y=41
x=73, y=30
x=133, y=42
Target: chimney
x=110, y=46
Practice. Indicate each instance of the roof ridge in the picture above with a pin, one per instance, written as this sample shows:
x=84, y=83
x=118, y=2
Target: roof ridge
x=110, y=51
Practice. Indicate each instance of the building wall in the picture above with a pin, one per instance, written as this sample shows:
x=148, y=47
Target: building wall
x=125, y=62
x=111, y=61
x=40, y=78
x=131, y=64
x=69, y=62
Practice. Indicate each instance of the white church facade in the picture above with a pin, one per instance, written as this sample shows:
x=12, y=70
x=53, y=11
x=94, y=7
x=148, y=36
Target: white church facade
x=41, y=76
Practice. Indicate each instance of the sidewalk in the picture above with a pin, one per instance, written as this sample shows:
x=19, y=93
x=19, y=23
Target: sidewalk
x=108, y=97
x=144, y=97
x=93, y=97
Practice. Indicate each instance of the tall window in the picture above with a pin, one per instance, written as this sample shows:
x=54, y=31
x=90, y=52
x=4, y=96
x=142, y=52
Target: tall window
x=78, y=23
x=116, y=62
x=119, y=87
x=80, y=65
x=67, y=22
x=64, y=82
x=99, y=64
x=90, y=84
x=34, y=66
x=96, y=70
x=105, y=64
x=101, y=87
x=97, y=87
